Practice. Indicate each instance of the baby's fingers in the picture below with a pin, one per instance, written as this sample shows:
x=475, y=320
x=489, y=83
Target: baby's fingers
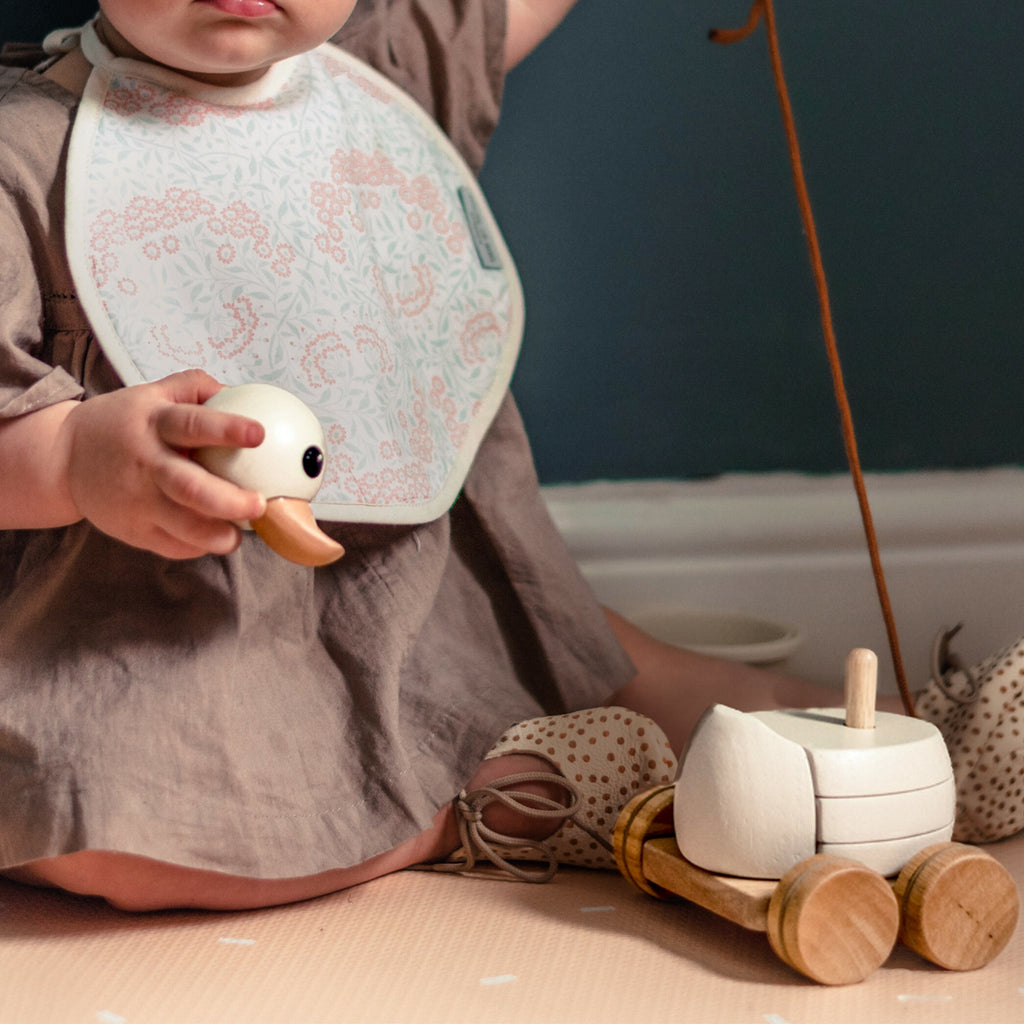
x=216, y=538
x=193, y=426
x=186, y=484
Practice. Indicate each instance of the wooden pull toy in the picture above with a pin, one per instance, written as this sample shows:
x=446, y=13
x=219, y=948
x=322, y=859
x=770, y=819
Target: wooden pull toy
x=829, y=830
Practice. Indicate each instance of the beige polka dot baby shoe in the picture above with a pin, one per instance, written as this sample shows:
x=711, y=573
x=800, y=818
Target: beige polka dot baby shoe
x=979, y=712
x=604, y=757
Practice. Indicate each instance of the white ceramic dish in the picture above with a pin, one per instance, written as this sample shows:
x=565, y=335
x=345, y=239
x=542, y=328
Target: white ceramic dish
x=732, y=635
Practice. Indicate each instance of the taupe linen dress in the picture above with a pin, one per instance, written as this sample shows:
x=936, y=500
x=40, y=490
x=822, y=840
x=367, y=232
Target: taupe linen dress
x=243, y=714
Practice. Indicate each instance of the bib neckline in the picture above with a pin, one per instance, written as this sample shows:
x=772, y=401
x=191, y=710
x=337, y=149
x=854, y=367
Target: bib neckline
x=267, y=87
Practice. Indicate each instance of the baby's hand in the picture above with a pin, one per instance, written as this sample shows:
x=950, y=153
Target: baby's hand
x=131, y=476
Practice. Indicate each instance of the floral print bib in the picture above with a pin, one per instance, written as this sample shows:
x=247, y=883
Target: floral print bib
x=315, y=230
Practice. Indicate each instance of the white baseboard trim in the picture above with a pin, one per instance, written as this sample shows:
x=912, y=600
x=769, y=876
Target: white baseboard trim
x=791, y=548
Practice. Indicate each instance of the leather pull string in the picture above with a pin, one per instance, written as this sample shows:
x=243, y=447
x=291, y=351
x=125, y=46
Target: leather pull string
x=726, y=36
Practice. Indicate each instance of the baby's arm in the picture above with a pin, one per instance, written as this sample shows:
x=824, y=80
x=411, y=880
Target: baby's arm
x=529, y=23
x=121, y=460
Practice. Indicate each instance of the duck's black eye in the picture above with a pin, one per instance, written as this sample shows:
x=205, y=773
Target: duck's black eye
x=313, y=462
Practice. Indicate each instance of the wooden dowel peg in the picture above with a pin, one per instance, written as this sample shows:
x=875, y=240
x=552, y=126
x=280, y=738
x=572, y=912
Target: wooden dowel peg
x=860, y=684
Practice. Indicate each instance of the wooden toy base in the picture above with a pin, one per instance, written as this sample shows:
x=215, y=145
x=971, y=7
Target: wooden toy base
x=830, y=918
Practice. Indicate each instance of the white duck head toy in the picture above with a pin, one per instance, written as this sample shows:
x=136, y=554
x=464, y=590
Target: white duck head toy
x=287, y=469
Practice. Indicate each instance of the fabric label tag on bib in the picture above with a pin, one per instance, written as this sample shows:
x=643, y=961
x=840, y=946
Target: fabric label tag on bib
x=486, y=251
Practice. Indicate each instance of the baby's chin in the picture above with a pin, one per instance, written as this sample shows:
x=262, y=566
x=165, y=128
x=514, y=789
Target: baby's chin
x=226, y=78
x=225, y=66
x=233, y=54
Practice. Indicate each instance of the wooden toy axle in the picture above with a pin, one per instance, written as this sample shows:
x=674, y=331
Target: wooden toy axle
x=830, y=918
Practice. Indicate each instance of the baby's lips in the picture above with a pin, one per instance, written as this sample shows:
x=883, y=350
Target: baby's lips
x=289, y=528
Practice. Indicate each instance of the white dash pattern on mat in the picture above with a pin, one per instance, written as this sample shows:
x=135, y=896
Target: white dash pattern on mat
x=595, y=910
x=109, y=1017
x=774, y=1018
x=499, y=979
x=228, y=941
x=911, y=998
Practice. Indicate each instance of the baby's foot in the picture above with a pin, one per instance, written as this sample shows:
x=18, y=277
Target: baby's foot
x=594, y=762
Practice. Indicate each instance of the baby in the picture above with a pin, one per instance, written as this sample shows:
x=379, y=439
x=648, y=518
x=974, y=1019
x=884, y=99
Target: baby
x=187, y=720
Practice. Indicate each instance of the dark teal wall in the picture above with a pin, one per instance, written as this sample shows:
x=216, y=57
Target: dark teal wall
x=641, y=178
x=28, y=22
x=642, y=181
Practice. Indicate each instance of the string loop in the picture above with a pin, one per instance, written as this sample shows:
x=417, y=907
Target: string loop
x=764, y=8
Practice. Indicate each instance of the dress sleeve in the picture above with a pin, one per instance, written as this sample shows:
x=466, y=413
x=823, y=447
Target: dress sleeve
x=447, y=54
x=28, y=380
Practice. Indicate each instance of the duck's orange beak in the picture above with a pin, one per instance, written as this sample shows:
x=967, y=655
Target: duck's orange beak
x=289, y=528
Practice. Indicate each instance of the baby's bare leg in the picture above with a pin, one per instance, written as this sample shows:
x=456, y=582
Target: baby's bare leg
x=675, y=686
x=136, y=883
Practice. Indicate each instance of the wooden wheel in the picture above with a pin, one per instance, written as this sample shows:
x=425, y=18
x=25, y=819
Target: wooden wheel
x=639, y=821
x=833, y=920
x=958, y=906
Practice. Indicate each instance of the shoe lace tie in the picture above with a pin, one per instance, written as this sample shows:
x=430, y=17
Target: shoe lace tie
x=479, y=840
x=958, y=683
